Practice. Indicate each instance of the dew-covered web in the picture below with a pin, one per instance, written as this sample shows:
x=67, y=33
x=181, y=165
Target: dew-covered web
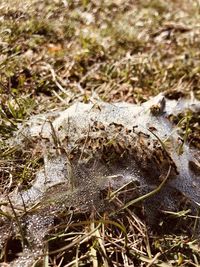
x=110, y=145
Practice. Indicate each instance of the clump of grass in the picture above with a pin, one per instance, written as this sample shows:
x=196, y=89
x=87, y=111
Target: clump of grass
x=188, y=126
x=13, y=111
x=101, y=238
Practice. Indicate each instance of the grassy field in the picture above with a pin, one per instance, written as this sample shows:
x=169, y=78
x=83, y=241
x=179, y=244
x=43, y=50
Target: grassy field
x=54, y=53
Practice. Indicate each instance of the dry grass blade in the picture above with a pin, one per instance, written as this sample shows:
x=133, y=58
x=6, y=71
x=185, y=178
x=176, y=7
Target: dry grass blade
x=77, y=241
x=148, y=195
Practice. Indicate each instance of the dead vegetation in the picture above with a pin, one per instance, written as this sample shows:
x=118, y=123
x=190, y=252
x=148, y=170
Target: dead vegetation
x=56, y=52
